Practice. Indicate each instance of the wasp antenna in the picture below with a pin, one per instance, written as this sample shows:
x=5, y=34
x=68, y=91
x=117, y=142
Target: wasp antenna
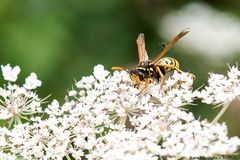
x=183, y=32
x=186, y=30
x=117, y=68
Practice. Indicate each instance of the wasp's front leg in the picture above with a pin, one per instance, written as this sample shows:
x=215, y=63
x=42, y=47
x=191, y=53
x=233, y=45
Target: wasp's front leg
x=146, y=84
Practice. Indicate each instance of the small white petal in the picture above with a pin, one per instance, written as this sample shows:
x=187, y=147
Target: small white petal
x=99, y=72
x=31, y=82
x=72, y=93
x=9, y=73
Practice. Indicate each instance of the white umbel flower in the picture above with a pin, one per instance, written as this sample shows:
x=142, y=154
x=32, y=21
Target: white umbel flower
x=18, y=103
x=104, y=117
x=222, y=90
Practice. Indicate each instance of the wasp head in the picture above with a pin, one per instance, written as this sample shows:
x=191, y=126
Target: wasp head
x=136, y=76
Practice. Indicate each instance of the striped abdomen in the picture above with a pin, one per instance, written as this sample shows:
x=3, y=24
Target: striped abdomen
x=169, y=62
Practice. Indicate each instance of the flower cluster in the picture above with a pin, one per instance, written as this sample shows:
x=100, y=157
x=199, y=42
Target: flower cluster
x=221, y=88
x=105, y=117
x=17, y=103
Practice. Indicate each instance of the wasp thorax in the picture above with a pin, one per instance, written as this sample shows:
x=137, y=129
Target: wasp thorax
x=145, y=64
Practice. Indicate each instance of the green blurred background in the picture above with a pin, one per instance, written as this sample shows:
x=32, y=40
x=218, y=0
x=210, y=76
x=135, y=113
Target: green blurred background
x=61, y=41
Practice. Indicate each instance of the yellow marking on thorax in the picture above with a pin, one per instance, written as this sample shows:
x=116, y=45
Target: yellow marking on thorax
x=140, y=68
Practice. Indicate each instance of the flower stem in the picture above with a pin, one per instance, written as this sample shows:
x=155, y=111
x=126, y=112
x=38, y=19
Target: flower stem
x=219, y=115
x=67, y=157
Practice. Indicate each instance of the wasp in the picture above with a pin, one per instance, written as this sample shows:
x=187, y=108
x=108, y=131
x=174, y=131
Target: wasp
x=156, y=69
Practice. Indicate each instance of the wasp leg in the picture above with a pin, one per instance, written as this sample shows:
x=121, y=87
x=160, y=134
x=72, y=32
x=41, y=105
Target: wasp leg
x=177, y=69
x=147, y=82
x=161, y=76
x=172, y=67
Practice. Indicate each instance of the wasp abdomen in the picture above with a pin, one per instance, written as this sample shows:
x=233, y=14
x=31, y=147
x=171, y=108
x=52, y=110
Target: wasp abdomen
x=169, y=62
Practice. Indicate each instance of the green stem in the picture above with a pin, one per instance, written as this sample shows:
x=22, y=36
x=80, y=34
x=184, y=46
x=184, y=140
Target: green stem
x=219, y=115
x=67, y=156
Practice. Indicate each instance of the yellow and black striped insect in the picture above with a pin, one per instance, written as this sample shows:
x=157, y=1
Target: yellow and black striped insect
x=150, y=70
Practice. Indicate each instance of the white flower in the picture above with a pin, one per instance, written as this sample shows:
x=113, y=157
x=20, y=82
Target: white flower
x=18, y=103
x=31, y=82
x=6, y=156
x=72, y=93
x=113, y=102
x=54, y=108
x=222, y=88
x=5, y=114
x=4, y=93
x=106, y=118
x=3, y=137
x=99, y=72
x=9, y=73
x=127, y=145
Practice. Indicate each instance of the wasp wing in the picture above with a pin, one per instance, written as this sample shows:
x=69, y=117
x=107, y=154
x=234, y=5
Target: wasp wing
x=142, y=53
x=169, y=45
